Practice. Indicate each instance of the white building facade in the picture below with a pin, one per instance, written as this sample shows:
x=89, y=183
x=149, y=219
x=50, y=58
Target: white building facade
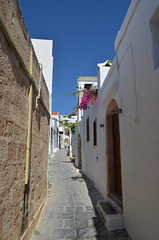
x=55, y=128
x=44, y=53
x=84, y=83
x=65, y=132
x=117, y=139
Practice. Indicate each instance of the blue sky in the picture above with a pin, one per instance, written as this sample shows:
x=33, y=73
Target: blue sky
x=83, y=32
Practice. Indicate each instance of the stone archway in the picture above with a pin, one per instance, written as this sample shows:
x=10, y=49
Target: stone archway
x=114, y=177
x=79, y=152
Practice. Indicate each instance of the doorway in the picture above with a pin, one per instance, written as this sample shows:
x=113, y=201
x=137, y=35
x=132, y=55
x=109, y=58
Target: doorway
x=114, y=176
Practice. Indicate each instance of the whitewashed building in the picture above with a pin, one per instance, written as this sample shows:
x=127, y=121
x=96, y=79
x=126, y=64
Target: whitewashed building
x=44, y=51
x=84, y=83
x=55, y=128
x=65, y=132
x=117, y=139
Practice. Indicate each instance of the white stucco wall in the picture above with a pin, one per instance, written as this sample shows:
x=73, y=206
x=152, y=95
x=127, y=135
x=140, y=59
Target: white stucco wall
x=44, y=50
x=133, y=81
x=73, y=144
x=55, y=127
x=139, y=126
x=93, y=157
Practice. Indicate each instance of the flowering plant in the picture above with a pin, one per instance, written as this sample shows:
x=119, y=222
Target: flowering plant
x=90, y=96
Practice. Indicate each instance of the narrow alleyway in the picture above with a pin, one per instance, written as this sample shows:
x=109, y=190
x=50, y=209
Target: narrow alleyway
x=70, y=212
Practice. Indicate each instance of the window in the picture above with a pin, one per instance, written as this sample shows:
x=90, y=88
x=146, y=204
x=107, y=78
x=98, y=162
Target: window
x=87, y=86
x=87, y=129
x=95, y=133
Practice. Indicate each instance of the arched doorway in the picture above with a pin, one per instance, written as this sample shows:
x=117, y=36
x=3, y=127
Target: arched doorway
x=114, y=176
x=67, y=141
x=79, y=152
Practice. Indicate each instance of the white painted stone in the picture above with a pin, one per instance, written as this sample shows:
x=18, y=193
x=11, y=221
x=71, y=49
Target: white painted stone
x=111, y=221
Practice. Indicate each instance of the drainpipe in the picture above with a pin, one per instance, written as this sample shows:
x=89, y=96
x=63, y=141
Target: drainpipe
x=40, y=81
x=28, y=149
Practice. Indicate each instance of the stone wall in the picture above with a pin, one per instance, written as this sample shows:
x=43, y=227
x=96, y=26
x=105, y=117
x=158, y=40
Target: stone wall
x=20, y=204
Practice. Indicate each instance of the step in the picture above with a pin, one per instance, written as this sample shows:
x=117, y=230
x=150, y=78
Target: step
x=111, y=214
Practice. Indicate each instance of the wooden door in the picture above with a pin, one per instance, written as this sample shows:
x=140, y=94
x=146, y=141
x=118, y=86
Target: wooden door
x=117, y=158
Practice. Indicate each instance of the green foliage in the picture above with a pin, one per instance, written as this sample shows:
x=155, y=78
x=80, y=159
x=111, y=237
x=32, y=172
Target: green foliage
x=73, y=126
x=72, y=114
x=75, y=93
x=67, y=124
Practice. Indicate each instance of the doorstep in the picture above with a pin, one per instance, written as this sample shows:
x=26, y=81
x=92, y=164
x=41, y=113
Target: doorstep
x=111, y=214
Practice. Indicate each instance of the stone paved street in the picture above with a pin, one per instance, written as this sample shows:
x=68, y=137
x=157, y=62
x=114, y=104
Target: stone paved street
x=70, y=211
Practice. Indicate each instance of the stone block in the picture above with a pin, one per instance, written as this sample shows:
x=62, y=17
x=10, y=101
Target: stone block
x=80, y=223
x=84, y=215
x=18, y=100
x=64, y=233
x=3, y=79
x=7, y=223
x=86, y=233
x=12, y=152
x=38, y=192
x=21, y=153
x=2, y=126
x=17, y=133
x=13, y=173
x=7, y=108
x=17, y=193
x=9, y=129
x=15, y=114
x=3, y=151
x=5, y=183
x=1, y=103
x=69, y=224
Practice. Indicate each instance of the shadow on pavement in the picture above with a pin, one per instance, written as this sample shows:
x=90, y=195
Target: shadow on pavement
x=102, y=232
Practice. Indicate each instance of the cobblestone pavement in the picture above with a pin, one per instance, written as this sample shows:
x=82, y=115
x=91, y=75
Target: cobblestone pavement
x=70, y=212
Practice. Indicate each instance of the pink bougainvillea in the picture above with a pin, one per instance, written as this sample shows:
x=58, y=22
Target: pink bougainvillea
x=90, y=96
